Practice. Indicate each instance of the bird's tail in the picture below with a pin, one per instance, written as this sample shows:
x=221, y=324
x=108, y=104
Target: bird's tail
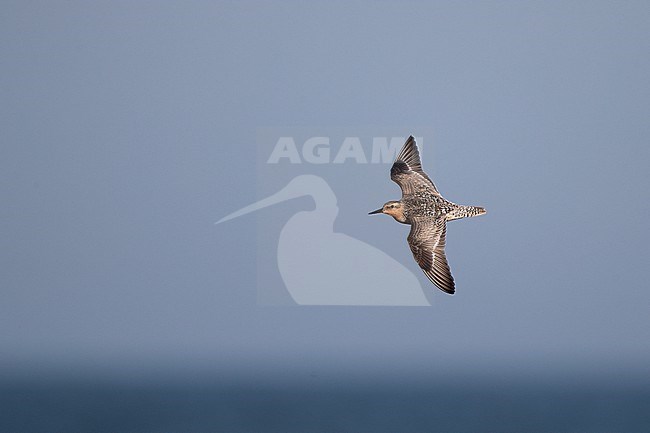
x=465, y=212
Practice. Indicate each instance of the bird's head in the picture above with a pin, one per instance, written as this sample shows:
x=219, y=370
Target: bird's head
x=392, y=208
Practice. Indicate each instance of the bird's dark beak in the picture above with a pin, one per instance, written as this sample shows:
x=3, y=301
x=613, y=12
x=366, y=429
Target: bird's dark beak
x=375, y=211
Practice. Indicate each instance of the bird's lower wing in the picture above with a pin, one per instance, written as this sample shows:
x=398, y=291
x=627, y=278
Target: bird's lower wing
x=427, y=243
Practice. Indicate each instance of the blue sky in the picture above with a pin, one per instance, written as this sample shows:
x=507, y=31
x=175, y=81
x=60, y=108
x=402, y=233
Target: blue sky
x=128, y=129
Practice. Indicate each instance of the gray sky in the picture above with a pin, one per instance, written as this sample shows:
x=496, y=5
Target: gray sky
x=126, y=131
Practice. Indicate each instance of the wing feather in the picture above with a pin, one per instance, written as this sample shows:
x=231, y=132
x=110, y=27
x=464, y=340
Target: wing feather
x=427, y=243
x=407, y=170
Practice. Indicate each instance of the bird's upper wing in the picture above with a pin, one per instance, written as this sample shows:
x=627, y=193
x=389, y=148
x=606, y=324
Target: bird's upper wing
x=407, y=170
x=427, y=242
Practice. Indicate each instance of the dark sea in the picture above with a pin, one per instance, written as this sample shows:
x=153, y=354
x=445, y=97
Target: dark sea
x=59, y=406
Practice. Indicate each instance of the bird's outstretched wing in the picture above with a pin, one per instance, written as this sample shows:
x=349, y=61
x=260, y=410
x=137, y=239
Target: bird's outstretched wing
x=407, y=170
x=427, y=242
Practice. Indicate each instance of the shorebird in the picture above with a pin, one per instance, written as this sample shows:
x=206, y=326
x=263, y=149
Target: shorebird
x=427, y=212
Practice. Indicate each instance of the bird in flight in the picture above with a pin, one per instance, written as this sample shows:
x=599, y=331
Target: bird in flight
x=427, y=212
